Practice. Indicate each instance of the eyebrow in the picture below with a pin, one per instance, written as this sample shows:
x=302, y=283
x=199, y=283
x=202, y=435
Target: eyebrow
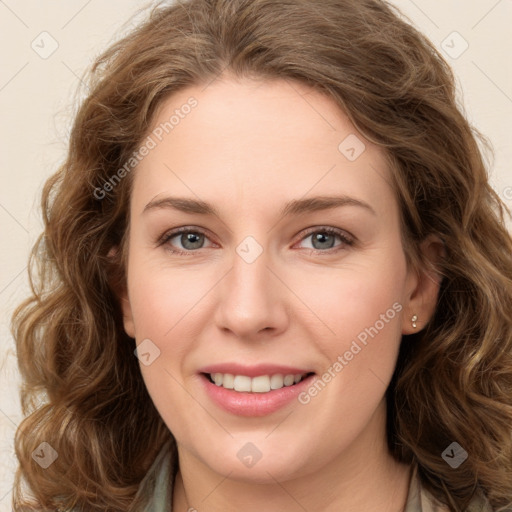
x=294, y=207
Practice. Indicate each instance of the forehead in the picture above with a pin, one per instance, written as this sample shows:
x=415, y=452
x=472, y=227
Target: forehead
x=252, y=140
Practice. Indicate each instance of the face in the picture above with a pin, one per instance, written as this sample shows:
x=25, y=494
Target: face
x=265, y=254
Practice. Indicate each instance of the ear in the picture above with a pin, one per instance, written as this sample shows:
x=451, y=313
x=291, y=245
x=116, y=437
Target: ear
x=423, y=286
x=120, y=289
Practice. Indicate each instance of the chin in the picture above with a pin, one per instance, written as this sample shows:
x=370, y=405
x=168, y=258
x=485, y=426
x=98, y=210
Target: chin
x=244, y=462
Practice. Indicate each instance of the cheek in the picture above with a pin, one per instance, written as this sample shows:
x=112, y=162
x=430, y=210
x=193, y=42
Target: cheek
x=363, y=308
x=165, y=305
x=349, y=299
x=164, y=299
x=360, y=312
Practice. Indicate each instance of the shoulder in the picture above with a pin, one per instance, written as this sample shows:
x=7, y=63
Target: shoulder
x=155, y=490
x=421, y=500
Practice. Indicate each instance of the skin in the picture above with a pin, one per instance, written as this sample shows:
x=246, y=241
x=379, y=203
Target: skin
x=247, y=148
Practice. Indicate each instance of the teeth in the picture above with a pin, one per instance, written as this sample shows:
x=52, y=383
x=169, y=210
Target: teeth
x=260, y=384
x=242, y=383
x=276, y=382
x=289, y=379
x=228, y=381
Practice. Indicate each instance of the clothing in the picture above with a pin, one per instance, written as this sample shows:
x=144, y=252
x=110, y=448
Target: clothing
x=156, y=487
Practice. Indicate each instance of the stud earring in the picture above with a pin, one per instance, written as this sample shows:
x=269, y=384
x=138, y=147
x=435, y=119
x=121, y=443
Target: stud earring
x=413, y=320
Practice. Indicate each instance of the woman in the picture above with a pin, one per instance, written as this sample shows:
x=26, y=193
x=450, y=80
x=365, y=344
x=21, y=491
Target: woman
x=278, y=208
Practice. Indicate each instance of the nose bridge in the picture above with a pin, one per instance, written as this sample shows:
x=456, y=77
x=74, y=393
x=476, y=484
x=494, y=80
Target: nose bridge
x=249, y=299
x=250, y=269
x=249, y=281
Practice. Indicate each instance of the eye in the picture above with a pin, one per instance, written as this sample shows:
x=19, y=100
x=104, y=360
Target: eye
x=323, y=239
x=189, y=239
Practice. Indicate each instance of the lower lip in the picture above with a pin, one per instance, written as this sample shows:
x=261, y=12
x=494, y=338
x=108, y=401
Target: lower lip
x=254, y=404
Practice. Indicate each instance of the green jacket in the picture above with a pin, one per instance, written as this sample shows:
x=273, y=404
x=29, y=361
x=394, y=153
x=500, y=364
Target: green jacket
x=156, y=490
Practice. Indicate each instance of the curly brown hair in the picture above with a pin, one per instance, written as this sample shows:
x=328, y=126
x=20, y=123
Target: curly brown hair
x=453, y=380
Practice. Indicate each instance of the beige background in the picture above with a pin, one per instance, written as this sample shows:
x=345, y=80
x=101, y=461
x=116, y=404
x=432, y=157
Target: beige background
x=36, y=102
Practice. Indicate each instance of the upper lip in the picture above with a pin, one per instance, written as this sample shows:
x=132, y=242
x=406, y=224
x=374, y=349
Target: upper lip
x=254, y=370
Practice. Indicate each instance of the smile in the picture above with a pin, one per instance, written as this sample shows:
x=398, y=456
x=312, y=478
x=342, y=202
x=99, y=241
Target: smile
x=253, y=391
x=259, y=384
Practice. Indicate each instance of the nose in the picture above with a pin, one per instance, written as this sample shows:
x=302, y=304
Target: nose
x=251, y=300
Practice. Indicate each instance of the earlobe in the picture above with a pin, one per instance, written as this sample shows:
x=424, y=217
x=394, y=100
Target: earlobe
x=119, y=287
x=129, y=326
x=426, y=283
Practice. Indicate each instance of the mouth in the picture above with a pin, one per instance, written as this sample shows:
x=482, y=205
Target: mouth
x=265, y=391
x=257, y=384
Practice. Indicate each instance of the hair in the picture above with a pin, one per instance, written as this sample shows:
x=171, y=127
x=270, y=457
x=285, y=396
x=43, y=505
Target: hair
x=82, y=390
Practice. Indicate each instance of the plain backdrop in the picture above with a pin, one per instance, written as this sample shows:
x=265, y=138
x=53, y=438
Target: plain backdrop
x=45, y=48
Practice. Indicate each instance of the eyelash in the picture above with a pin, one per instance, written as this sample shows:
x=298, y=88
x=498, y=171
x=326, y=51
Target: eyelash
x=346, y=240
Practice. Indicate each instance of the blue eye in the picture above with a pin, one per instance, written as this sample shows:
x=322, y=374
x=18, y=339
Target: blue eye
x=190, y=240
x=323, y=240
